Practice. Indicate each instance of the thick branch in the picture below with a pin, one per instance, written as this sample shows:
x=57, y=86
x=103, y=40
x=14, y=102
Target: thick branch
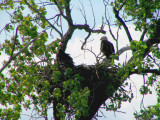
x=157, y=72
x=72, y=28
x=150, y=42
x=85, y=41
x=66, y=38
x=88, y=29
x=119, y=52
x=123, y=23
x=68, y=13
x=143, y=34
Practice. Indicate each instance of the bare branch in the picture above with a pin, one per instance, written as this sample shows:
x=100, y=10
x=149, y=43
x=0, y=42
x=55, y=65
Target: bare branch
x=90, y=50
x=59, y=8
x=87, y=29
x=85, y=41
x=109, y=26
x=93, y=14
x=83, y=11
x=119, y=52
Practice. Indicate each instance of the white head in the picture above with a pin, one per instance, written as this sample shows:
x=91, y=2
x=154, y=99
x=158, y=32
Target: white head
x=104, y=38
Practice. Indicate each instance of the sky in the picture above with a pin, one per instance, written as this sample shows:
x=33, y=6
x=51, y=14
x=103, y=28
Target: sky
x=84, y=57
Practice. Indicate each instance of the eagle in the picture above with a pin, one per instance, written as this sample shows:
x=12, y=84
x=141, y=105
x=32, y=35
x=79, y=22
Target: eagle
x=106, y=47
x=64, y=60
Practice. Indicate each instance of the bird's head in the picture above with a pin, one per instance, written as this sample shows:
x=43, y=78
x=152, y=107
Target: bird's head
x=104, y=38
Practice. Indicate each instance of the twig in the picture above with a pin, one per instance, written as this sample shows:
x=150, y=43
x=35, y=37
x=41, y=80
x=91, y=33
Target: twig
x=83, y=11
x=109, y=24
x=93, y=14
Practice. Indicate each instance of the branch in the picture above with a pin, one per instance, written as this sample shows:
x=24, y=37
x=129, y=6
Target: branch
x=143, y=34
x=87, y=29
x=83, y=11
x=90, y=50
x=14, y=43
x=123, y=23
x=149, y=44
x=122, y=5
x=59, y=8
x=68, y=13
x=73, y=27
x=70, y=31
x=85, y=41
x=119, y=52
x=109, y=27
x=157, y=72
x=43, y=17
x=12, y=58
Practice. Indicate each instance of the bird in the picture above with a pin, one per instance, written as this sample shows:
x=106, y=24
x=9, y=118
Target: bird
x=64, y=60
x=107, y=48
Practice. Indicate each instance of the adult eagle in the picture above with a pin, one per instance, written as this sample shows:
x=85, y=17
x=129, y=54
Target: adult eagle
x=107, y=47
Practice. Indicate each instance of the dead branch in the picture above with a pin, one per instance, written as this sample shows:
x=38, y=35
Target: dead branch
x=83, y=11
x=85, y=40
x=93, y=14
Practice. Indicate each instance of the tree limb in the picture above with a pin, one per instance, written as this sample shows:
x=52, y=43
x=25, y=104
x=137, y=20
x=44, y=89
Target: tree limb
x=123, y=23
x=72, y=28
x=157, y=72
x=119, y=52
x=14, y=42
x=68, y=13
x=12, y=58
x=88, y=29
x=85, y=41
x=143, y=34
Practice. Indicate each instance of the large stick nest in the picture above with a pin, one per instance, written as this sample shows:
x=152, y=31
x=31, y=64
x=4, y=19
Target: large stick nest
x=101, y=80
